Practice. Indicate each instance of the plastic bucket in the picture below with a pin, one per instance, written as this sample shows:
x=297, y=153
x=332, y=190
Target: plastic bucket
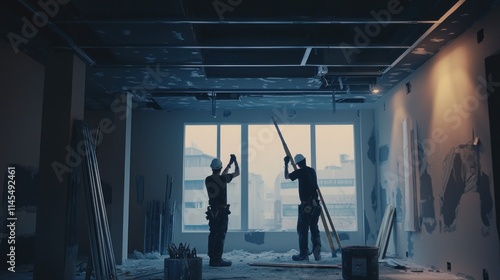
x=183, y=269
x=360, y=263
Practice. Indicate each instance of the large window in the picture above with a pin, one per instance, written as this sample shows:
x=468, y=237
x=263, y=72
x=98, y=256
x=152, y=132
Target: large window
x=203, y=143
x=265, y=200
x=270, y=192
x=336, y=168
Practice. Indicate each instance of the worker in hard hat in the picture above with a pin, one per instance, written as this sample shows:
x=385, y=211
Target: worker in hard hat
x=309, y=208
x=218, y=209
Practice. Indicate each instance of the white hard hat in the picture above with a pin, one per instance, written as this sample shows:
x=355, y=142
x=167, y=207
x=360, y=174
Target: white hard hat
x=298, y=158
x=216, y=163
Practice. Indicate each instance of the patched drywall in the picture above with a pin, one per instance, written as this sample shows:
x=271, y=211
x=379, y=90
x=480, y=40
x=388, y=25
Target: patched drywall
x=383, y=153
x=373, y=205
x=463, y=175
x=255, y=237
x=453, y=201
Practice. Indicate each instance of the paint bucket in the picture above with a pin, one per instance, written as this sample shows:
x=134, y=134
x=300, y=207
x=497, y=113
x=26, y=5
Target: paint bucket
x=360, y=263
x=183, y=269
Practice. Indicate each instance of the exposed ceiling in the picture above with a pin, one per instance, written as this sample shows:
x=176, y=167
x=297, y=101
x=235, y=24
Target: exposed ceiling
x=237, y=54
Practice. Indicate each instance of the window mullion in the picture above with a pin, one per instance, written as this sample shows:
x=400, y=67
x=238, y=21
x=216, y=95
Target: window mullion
x=313, y=146
x=218, y=140
x=244, y=177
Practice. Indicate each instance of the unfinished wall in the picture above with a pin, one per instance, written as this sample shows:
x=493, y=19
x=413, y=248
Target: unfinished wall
x=445, y=213
x=20, y=122
x=20, y=109
x=157, y=145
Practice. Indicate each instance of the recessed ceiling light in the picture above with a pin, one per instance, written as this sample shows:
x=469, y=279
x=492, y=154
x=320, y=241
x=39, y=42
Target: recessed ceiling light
x=420, y=51
x=437, y=40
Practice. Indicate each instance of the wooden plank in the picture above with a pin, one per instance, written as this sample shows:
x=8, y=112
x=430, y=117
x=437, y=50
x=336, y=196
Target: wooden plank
x=297, y=265
x=327, y=214
x=385, y=231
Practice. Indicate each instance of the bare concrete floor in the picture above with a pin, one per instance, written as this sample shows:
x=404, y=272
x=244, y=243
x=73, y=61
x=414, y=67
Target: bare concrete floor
x=152, y=268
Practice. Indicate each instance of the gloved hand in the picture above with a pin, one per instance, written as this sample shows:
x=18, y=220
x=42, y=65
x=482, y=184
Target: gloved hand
x=287, y=160
x=233, y=158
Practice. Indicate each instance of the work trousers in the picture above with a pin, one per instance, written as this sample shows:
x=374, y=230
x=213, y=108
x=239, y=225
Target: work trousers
x=308, y=221
x=218, y=223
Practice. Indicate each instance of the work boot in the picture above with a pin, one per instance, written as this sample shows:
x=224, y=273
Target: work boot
x=220, y=262
x=299, y=257
x=317, y=253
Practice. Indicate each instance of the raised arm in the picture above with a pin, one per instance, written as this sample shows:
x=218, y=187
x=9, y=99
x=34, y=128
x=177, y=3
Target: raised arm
x=226, y=170
x=236, y=172
x=287, y=160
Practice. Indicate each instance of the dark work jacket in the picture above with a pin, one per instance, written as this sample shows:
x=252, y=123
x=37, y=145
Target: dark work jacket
x=308, y=183
x=217, y=189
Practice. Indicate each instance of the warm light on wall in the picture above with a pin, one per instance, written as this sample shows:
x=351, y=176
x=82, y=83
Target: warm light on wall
x=451, y=87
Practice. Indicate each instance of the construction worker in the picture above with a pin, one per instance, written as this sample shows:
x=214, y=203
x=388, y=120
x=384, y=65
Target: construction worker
x=309, y=208
x=218, y=209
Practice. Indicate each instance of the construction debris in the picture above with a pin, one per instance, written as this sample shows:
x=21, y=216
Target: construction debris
x=181, y=252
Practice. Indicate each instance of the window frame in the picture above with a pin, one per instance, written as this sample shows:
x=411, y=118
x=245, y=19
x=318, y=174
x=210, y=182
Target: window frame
x=244, y=169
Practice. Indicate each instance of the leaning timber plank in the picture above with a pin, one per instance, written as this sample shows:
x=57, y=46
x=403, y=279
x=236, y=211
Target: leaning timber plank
x=296, y=265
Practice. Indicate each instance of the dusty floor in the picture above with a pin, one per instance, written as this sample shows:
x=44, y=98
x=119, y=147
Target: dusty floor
x=151, y=267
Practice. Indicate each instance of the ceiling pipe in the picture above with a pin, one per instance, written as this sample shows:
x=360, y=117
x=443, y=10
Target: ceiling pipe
x=245, y=22
x=231, y=47
x=244, y=92
x=194, y=65
x=334, y=103
x=214, y=105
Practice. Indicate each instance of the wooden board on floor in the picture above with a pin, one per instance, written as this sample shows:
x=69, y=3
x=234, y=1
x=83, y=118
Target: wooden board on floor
x=385, y=231
x=296, y=265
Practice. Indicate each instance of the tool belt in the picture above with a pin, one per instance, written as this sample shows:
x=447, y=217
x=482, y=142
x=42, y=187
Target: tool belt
x=215, y=212
x=308, y=206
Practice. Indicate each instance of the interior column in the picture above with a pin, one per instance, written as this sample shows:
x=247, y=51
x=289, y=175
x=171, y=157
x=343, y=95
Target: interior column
x=119, y=179
x=63, y=102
